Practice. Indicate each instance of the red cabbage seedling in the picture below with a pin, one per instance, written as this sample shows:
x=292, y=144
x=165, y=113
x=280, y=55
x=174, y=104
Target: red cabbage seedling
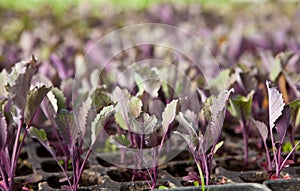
x=279, y=117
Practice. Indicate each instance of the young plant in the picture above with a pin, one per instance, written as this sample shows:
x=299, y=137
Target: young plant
x=138, y=126
x=20, y=103
x=72, y=137
x=204, y=146
x=279, y=117
x=240, y=107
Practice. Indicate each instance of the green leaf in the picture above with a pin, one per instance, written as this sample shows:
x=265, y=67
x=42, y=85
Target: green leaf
x=196, y=183
x=220, y=83
x=169, y=114
x=241, y=106
x=100, y=121
x=35, y=96
x=295, y=105
x=163, y=188
x=60, y=98
x=276, y=69
x=135, y=106
x=67, y=127
x=38, y=133
x=218, y=146
x=120, y=141
x=122, y=99
x=120, y=120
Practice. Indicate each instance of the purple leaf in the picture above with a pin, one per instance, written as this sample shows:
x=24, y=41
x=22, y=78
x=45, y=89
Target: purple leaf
x=67, y=127
x=217, y=110
x=3, y=132
x=276, y=104
x=283, y=123
x=62, y=70
x=19, y=82
x=262, y=129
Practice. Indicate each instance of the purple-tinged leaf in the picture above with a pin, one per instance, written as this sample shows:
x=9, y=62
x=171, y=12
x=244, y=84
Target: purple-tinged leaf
x=190, y=139
x=191, y=177
x=169, y=115
x=35, y=96
x=213, y=130
x=3, y=132
x=217, y=110
x=262, y=129
x=276, y=104
x=62, y=70
x=82, y=115
x=147, y=79
x=67, y=127
x=283, y=123
x=18, y=83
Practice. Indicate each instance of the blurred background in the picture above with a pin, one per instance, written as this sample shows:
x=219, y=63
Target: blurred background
x=55, y=31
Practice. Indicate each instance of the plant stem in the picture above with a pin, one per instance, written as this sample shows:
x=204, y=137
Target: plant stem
x=154, y=169
x=5, y=179
x=207, y=175
x=274, y=151
x=268, y=156
x=245, y=137
x=83, y=163
x=286, y=158
x=201, y=176
x=14, y=154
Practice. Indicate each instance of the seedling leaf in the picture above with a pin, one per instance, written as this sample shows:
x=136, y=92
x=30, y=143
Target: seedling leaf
x=282, y=123
x=135, y=106
x=120, y=141
x=18, y=83
x=100, y=121
x=39, y=134
x=35, y=96
x=241, y=106
x=168, y=115
x=262, y=128
x=218, y=146
x=67, y=127
x=276, y=104
x=3, y=132
x=276, y=69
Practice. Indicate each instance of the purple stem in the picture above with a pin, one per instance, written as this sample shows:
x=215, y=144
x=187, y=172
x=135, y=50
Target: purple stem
x=154, y=169
x=286, y=158
x=268, y=155
x=5, y=179
x=14, y=154
x=245, y=137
